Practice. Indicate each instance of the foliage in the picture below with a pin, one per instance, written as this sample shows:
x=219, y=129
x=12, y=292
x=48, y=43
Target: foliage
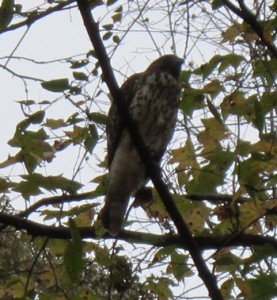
x=220, y=168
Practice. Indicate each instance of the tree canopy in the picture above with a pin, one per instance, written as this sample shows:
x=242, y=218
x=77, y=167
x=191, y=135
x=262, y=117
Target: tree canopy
x=210, y=230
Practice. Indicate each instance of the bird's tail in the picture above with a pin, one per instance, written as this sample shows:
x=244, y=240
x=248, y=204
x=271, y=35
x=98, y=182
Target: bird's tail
x=113, y=212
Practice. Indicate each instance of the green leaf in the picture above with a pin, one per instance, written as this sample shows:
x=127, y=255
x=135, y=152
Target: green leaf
x=159, y=286
x=226, y=288
x=192, y=99
x=119, y=9
x=206, y=69
x=116, y=39
x=34, y=149
x=236, y=104
x=209, y=177
x=98, y=118
x=185, y=76
x=33, y=182
x=243, y=147
x=266, y=69
x=79, y=63
x=80, y=76
x=73, y=254
x=117, y=17
x=54, y=124
x=4, y=185
x=259, y=116
x=56, y=85
x=107, y=35
x=111, y=2
x=231, y=33
x=35, y=118
x=74, y=119
x=44, y=102
x=95, y=3
x=108, y=26
x=214, y=111
x=263, y=286
x=213, y=133
x=26, y=102
x=178, y=266
x=91, y=139
x=73, y=212
x=228, y=262
x=217, y=4
x=233, y=60
x=213, y=88
x=269, y=101
x=162, y=254
x=27, y=189
x=260, y=253
x=78, y=134
x=6, y=13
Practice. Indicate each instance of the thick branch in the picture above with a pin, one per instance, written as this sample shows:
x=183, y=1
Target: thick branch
x=249, y=18
x=152, y=169
x=204, y=243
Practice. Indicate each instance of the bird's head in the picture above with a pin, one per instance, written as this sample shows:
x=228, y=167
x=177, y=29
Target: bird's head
x=169, y=63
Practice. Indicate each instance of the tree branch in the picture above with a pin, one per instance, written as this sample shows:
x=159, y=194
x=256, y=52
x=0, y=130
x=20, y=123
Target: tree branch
x=216, y=198
x=37, y=16
x=204, y=242
x=56, y=200
x=92, y=194
x=152, y=169
x=249, y=18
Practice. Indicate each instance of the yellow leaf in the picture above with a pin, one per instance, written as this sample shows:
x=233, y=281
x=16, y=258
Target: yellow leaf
x=213, y=87
x=267, y=35
x=47, y=278
x=213, y=133
x=270, y=204
x=271, y=219
x=84, y=219
x=244, y=287
x=184, y=155
x=197, y=218
x=268, y=146
x=156, y=209
x=251, y=37
x=10, y=161
x=231, y=33
x=250, y=212
x=56, y=247
x=54, y=124
x=226, y=288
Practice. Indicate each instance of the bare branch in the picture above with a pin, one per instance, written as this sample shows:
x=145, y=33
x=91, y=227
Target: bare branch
x=56, y=200
x=92, y=194
x=204, y=243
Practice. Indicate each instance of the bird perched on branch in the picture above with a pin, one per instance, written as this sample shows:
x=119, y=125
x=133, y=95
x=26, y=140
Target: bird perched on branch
x=152, y=98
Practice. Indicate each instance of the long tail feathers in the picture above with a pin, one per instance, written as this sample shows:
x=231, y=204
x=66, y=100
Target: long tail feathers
x=113, y=213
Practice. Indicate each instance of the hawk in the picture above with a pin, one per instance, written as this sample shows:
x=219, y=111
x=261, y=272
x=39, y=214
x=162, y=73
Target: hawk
x=152, y=98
